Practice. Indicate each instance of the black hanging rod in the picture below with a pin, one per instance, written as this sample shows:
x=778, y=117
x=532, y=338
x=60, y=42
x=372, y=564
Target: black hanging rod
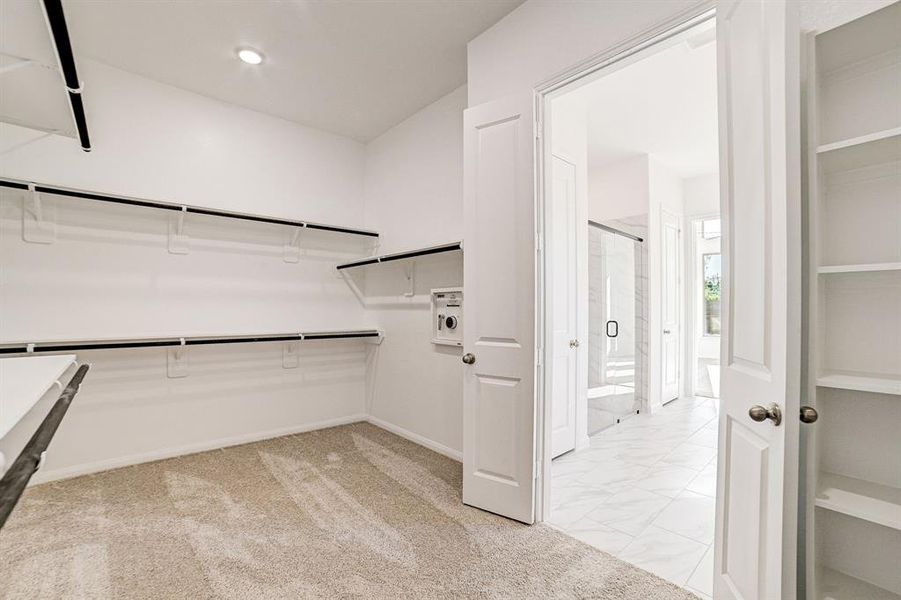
x=614, y=230
x=29, y=460
x=180, y=208
x=402, y=255
x=56, y=19
x=22, y=348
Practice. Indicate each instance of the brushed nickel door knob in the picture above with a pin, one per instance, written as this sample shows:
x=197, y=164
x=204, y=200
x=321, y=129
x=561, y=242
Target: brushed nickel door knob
x=809, y=414
x=761, y=414
x=469, y=358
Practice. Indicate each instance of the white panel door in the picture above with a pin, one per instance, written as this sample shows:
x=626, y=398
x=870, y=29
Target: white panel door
x=499, y=313
x=758, y=79
x=564, y=300
x=671, y=347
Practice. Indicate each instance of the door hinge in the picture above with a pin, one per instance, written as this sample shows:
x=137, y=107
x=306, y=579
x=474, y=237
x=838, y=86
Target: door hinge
x=540, y=354
x=537, y=468
x=539, y=243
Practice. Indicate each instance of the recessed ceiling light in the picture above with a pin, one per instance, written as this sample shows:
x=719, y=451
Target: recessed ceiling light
x=250, y=56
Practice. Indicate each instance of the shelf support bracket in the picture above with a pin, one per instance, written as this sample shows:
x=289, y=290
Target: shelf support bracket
x=177, y=361
x=292, y=251
x=178, y=239
x=410, y=274
x=291, y=354
x=38, y=219
x=348, y=278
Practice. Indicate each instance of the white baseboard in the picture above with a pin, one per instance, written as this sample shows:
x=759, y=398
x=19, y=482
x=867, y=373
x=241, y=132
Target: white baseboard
x=417, y=439
x=47, y=475
x=44, y=476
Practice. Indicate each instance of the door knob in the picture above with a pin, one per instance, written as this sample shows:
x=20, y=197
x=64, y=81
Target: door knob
x=573, y=343
x=469, y=358
x=809, y=414
x=667, y=331
x=761, y=414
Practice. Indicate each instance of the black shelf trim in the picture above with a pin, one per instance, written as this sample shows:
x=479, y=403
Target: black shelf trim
x=13, y=184
x=13, y=483
x=56, y=19
x=71, y=346
x=402, y=255
x=171, y=206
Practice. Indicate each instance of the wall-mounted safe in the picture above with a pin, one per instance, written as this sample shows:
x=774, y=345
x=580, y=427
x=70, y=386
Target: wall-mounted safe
x=447, y=316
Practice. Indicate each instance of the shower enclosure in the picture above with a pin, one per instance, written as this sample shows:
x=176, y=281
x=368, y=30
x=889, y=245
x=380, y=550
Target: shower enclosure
x=615, y=309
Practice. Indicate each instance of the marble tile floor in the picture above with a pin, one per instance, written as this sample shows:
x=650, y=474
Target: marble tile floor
x=645, y=491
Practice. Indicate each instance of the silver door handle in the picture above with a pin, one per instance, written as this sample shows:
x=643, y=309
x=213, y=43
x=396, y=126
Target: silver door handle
x=667, y=331
x=573, y=343
x=469, y=358
x=761, y=414
x=809, y=414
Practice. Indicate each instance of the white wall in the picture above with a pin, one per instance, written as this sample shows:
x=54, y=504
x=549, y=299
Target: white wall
x=618, y=190
x=702, y=195
x=414, y=198
x=542, y=38
x=161, y=142
x=109, y=274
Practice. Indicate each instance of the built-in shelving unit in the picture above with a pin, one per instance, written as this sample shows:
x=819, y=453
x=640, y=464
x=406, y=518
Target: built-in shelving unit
x=854, y=345
x=861, y=151
x=860, y=383
x=406, y=255
x=873, y=502
x=866, y=268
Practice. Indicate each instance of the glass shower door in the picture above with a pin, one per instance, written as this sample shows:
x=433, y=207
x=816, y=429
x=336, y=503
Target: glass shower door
x=611, y=355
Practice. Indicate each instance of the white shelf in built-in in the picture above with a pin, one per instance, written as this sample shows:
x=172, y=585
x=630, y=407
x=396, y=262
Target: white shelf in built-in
x=833, y=585
x=862, y=268
x=862, y=151
x=879, y=384
x=873, y=502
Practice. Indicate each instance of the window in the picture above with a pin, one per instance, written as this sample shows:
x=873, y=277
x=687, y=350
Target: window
x=711, y=303
x=710, y=229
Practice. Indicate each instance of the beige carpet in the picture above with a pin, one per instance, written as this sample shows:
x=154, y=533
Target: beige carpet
x=348, y=512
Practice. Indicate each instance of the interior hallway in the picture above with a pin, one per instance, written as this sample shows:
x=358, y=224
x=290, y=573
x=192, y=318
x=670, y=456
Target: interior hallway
x=645, y=492
x=347, y=512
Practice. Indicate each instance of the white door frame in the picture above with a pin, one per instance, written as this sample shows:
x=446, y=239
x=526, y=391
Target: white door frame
x=616, y=57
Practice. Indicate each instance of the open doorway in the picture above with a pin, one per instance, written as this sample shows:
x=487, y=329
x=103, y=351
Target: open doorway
x=705, y=277
x=634, y=424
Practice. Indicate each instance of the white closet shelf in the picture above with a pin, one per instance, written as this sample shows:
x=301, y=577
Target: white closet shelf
x=178, y=208
x=865, y=150
x=873, y=502
x=834, y=585
x=408, y=254
x=862, y=268
x=168, y=341
x=24, y=381
x=880, y=384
